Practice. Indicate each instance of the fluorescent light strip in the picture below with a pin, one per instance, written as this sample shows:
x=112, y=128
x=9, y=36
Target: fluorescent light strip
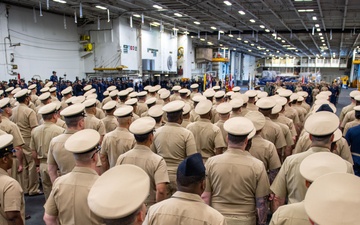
x=305, y=10
x=178, y=14
x=214, y=28
x=242, y=12
x=262, y=26
x=137, y=15
x=101, y=7
x=227, y=3
x=157, y=7
x=197, y=23
x=60, y=1
x=252, y=20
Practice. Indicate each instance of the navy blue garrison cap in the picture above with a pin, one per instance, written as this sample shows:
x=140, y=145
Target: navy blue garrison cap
x=192, y=166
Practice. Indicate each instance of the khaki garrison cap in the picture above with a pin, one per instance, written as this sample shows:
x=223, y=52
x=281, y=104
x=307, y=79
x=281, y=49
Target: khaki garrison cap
x=49, y=84
x=66, y=91
x=90, y=103
x=129, y=89
x=321, y=163
x=48, y=108
x=219, y=94
x=150, y=101
x=53, y=89
x=236, y=103
x=9, y=89
x=194, y=86
x=215, y=88
x=334, y=199
x=141, y=94
x=156, y=111
x=4, y=102
x=5, y=144
x=354, y=93
x=69, y=100
x=165, y=94
x=224, y=108
x=186, y=109
x=123, y=93
x=251, y=93
x=128, y=183
x=238, y=126
x=143, y=125
x=131, y=101
x=114, y=93
x=73, y=111
x=285, y=93
x=44, y=96
x=124, y=111
x=173, y=106
x=31, y=87
x=277, y=108
x=209, y=93
x=236, y=89
x=44, y=89
x=133, y=95
x=109, y=105
x=321, y=123
x=111, y=88
x=198, y=98
x=203, y=107
x=82, y=141
x=146, y=88
x=87, y=87
x=106, y=93
x=176, y=88
x=266, y=103
x=257, y=118
x=21, y=93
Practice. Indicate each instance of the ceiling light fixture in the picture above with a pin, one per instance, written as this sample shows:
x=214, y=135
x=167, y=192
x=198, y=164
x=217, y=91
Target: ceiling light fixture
x=221, y=32
x=197, y=23
x=262, y=26
x=249, y=50
x=252, y=44
x=137, y=15
x=322, y=40
x=318, y=29
x=305, y=10
x=239, y=39
x=283, y=41
x=186, y=32
x=157, y=7
x=314, y=18
x=320, y=34
x=155, y=24
x=214, y=28
x=267, y=30
x=246, y=42
x=178, y=14
x=60, y=1
x=252, y=20
x=230, y=35
x=242, y=12
x=279, y=38
x=321, y=37
x=202, y=39
x=101, y=7
x=317, y=25
x=227, y=3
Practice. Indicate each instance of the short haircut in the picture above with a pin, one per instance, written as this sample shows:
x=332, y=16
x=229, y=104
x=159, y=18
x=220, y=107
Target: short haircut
x=48, y=116
x=174, y=116
x=22, y=99
x=123, y=98
x=157, y=119
x=142, y=137
x=186, y=181
x=325, y=138
x=72, y=121
x=127, y=220
x=236, y=139
x=85, y=156
x=357, y=114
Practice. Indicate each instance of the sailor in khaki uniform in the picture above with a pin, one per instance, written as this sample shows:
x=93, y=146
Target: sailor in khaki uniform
x=223, y=110
x=142, y=156
x=141, y=105
x=108, y=98
x=66, y=93
x=91, y=122
x=123, y=97
x=312, y=167
x=236, y=105
x=324, y=192
x=186, y=115
x=241, y=197
x=150, y=102
x=110, y=121
x=186, y=205
x=173, y=142
x=157, y=113
x=208, y=137
x=175, y=95
x=289, y=183
x=219, y=98
x=283, y=119
x=262, y=149
x=44, y=98
x=209, y=94
x=40, y=141
x=350, y=107
x=26, y=120
x=58, y=157
x=251, y=102
x=118, y=141
x=194, y=90
x=12, y=204
x=33, y=96
x=53, y=94
x=271, y=131
x=99, y=113
x=128, y=181
x=354, y=123
x=196, y=99
x=67, y=203
x=133, y=103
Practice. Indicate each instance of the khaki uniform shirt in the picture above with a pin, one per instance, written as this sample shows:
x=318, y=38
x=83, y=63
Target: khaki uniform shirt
x=11, y=128
x=61, y=123
x=99, y=114
x=25, y=118
x=289, y=182
x=194, y=116
x=11, y=197
x=91, y=122
x=63, y=104
x=273, y=133
x=292, y=114
x=59, y=156
x=174, y=97
x=117, y=142
x=208, y=137
x=41, y=137
x=315, y=92
x=301, y=112
x=283, y=119
x=266, y=152
x=106, y=100
x=174, y=143
x=350, y=116
x=350, y=125
x=110, y=123
x=305, y=106
x=345, y=110
x=236, y=114
x=220, y=124
x=33, y=98
x=183, y=208
x=68, y=198
x=292, y=214
x=234, y=180
x=141, y=108
x=54, y=99
x=185, y=123
x=252, y=107
x=153, y=164
x=286, y=131
x=244, y=111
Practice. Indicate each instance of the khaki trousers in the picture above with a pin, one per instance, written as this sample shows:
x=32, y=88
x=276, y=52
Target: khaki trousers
x=45, y=178
x=240, y=220
x=30, y=176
